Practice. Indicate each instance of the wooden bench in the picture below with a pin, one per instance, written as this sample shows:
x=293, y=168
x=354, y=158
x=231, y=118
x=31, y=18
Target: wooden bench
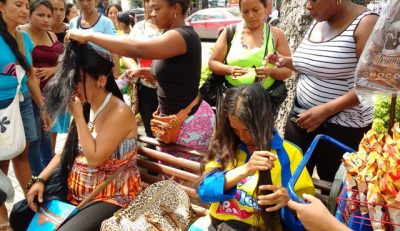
x=190, y=171
x=156, y=163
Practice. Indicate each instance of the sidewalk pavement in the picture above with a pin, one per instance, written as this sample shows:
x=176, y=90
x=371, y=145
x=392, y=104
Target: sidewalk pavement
x=19, y=195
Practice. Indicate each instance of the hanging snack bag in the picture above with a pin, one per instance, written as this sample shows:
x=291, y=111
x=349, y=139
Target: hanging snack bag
x=378, y=69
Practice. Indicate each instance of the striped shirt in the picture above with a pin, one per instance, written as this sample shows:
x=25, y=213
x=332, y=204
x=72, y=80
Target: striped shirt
x=327, y=72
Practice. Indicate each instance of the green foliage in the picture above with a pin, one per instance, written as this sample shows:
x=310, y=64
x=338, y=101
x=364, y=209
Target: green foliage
x=382, y=114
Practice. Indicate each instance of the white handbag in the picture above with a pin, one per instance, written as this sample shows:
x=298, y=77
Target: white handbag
x=12, y=133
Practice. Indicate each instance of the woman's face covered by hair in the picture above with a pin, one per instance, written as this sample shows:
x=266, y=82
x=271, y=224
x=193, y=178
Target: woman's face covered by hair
x=79, y=61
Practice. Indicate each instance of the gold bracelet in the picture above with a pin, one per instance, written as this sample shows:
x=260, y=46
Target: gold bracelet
x=33, y=180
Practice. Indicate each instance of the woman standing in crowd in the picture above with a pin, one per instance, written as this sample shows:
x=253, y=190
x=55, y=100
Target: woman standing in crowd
x=326, y=60
x=91, y=21
x=147, y=90
x=124, y=22
x=252, y=42
x=58, y=26
x=45, y=56
x=112, y=12
x=101, y=148
x=244, y=148
x=71, y=11
x=177, y=69
x=12, y=14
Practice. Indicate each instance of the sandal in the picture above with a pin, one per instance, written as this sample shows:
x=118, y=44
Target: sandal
x=5, y=227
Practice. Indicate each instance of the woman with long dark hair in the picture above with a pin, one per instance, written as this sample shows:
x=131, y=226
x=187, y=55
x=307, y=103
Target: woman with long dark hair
x=12, y=14
x=177, y=68
x=101, y=139
x=249, y=164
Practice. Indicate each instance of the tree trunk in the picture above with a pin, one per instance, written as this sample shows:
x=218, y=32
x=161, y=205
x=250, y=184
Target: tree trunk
x=294, y=22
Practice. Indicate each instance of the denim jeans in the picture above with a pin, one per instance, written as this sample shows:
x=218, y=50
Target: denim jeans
x=40, y=150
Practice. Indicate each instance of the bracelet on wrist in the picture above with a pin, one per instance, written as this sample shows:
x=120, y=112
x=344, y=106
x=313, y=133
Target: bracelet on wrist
x=33, y=180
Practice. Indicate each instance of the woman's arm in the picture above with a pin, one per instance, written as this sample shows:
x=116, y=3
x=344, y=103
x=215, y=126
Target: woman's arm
x=259, y=160
x=149, y=49
x=51, y=166
x=217, y=58
x=282, y=47
x=34, y=89
x=37, y=188
x=120, y=124
x=315, y=216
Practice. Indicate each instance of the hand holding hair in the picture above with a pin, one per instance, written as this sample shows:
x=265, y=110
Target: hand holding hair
x=77, y=35
x=260, y=160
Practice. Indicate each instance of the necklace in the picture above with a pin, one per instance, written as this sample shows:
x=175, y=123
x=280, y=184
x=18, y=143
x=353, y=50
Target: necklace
x=99, y=110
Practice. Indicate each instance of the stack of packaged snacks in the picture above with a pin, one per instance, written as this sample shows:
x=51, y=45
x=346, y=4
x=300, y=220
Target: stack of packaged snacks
x=373, y=175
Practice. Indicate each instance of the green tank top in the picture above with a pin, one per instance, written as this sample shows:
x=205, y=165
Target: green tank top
x=247, y=58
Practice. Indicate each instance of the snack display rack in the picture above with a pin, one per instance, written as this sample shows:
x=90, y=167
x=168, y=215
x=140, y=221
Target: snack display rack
x=354, y=219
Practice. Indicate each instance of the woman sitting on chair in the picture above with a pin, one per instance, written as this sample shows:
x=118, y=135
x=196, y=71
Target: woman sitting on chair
x=247, y=158
x=101, y=139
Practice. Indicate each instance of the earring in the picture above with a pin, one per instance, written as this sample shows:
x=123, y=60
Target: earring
x=175, y=15
x=339, y=2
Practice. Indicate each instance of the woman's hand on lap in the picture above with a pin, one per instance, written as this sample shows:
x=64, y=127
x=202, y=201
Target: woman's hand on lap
x=36, y=190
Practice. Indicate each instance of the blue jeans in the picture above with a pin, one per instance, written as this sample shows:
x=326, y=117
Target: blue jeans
x=40, y=150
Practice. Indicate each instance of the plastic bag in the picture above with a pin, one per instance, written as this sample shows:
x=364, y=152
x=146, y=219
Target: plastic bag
x=7, y=187
x=378, y=69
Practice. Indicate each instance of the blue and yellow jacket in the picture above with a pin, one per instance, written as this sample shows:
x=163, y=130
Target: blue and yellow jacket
x=238, y=203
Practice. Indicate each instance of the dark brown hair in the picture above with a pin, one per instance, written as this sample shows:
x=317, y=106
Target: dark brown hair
x=251, y=104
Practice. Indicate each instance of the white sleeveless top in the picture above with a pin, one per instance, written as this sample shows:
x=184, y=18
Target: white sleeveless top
x=327, y=71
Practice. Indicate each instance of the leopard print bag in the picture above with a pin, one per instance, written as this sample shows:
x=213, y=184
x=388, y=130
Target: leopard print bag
x=161, y=206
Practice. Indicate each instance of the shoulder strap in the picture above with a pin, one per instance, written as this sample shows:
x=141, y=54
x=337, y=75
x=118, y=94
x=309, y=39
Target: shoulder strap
x=230, y=32
x=78, y=22
x=268, y=33
x=51, y=39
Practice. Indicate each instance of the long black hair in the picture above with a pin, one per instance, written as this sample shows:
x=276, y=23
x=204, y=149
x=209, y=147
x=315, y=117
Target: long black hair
x=12, y=43
x=58, y=92
x=251, y=104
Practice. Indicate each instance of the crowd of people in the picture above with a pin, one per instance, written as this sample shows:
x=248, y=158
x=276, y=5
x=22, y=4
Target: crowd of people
x=74, y=59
